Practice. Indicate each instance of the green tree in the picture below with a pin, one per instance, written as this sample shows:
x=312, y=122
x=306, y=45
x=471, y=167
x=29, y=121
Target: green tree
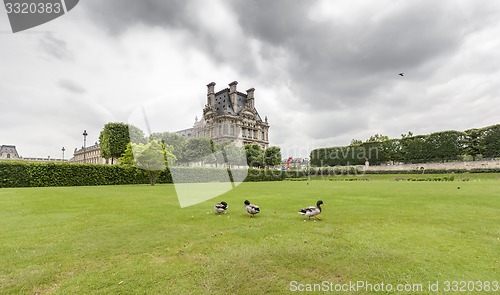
x=409, y=134
x=136, y=135
x=229, y=154
x=235, y=155
x=414, y=149
x=376, y=150
x=198, y=150
x=153, y=157
x=175, y=140
x=491, y=141
x=127, y=158
x=391, y=150
x=474, y=145
x=272, y=156
x=378, y=138
x=445, y=145
x=255, y=155
x=356, y=142
x=114, y=138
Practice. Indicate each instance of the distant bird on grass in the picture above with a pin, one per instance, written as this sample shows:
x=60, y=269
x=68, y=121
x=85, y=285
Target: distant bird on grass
x=251, y=208
x=401, y=74
x=221, y=207
x=312, y=211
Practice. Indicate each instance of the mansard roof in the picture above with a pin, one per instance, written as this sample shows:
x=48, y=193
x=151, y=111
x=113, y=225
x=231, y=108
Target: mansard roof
x=224, y=106
x=12, y=148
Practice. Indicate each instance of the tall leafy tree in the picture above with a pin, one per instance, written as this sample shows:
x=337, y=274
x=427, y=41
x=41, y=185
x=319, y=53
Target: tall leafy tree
x=153, y=157
x=235, y=155
x=445, y=145
x=229, y=154
x=491, y=141
x=136, y=134
x=414, y=149
x=198, y=150
x=175, y=140
x=474, y=145
x=272, y=156
x=114, y=138
x=255, y=155
x=391, y=150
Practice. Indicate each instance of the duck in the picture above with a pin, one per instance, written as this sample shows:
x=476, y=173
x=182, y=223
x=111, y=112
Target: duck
x=221, y=207
x=312, y=211
x=251, y=208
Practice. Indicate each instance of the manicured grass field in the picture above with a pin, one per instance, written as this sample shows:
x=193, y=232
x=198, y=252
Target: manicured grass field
x=137, y=240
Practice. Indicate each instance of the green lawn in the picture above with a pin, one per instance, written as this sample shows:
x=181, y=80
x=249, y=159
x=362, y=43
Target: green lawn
x=137, y=240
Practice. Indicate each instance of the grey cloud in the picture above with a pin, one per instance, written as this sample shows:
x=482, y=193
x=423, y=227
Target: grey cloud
x=334, y=63
x=54, y=46
x=71, y=86
x=117, y=16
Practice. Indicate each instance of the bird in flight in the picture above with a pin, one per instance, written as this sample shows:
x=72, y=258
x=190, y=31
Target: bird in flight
x=401, y=74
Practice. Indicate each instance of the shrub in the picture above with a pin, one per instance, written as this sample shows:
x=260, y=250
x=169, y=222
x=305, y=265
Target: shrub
x=39, y=174
x=32, y=174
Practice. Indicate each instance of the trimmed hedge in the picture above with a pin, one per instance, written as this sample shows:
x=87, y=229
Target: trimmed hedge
x=32, y=174
x=442, y=146
x=39, y=174
x=433, y=171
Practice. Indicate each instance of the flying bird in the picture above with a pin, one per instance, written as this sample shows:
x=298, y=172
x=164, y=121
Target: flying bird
x=221, y=207
x=251, y=208
x=401, y=74
x=312, y=211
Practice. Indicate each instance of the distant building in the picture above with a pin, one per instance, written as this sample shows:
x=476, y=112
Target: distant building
x=295, y=163
x=9, y=152
x=90, y=155
x=230, y=115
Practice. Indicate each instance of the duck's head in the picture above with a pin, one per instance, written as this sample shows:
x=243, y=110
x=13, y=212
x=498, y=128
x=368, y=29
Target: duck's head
x=223, y=203
x=319, y=202
x=247, y=202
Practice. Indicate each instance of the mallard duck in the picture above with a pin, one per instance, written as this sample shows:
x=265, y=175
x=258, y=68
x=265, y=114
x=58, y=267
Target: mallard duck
x=251, y=208
x=221, y=207
x=312, y=211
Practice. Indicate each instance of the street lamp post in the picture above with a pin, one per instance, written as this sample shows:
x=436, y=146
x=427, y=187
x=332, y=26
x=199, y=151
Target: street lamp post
x=63, y=149
x=84, y=144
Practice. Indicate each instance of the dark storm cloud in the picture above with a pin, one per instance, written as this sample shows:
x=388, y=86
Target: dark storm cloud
x=335, y=62
x=118, y=15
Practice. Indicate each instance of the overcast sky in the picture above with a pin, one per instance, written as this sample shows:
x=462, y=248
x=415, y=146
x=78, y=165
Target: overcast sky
x=325, y=72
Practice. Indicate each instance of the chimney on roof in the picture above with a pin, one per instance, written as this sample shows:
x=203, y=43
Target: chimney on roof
x=232, y=86
x=233, y=95
x=250, y=98
x=211, y=95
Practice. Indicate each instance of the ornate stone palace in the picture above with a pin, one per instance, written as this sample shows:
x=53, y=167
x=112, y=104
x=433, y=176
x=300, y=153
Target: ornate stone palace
x=230, y=115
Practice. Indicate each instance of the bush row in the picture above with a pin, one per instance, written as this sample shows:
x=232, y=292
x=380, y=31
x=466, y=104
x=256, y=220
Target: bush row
x=441, y=146
x=30, y=174
x=433, y=171
x=445, y=178
x=33, y=174
x=25, y=174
